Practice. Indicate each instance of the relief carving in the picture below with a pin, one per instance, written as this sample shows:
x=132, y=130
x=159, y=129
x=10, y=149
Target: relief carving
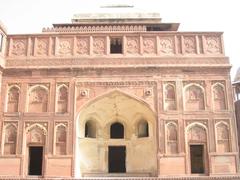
x=166, y=45
x=222, y=137
x=197, y=134
x=42, y=47
x=213, y=45
x=65, y=47
x=61, y=138
x=19, y=47
x=169, y=98
x=99, y=46
x=219, y=97
x=10, y=139
x=13, y=99
x=194, y=98
x=62, y=99
x=133, y=45
x=38, y=99
x=82, y=46
x=149, y=45
x=172, y=137
x=190, y=45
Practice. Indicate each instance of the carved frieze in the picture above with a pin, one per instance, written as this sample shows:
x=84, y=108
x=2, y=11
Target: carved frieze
x=132, y=45
x=42, y=47
x=118, y=83
x=149, y=45
x=82, y=46
x=19, y=47
x=190, y=45
x=65, y=47
x=166, y=45
x=213, y=45
x=99, y=45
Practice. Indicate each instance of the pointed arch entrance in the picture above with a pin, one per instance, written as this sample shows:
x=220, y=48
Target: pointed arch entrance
x=115, y=116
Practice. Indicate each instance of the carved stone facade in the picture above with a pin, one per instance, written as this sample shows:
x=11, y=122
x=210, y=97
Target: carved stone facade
x=161, y=98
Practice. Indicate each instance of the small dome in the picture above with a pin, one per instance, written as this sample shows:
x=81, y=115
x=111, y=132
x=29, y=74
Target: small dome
x=237, y=77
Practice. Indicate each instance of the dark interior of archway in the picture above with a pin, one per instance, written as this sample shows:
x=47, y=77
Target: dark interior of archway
x=35, y=160
x=197, y=163
x=117, y=131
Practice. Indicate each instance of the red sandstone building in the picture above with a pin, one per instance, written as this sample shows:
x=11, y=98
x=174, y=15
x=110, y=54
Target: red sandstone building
x=116, y=95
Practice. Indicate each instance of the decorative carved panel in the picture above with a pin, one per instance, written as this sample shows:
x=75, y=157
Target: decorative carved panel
x=194, y=98
x=62, y=99
x=13, y=99
x=197, y=134
x=222, y=137
x=19, y=47
x=132, y=45
x=38, y=99
x=213, y=45
x=169, y=97
x=36, y=134
x=149, y=45
x=61, y=139
x=219, y=97
x=82, y=46
x=65, y=46
x=99, y=45
x=166, y=45
x=172, y=138
x=190, y=45
x=10, y=139
x=42, y=47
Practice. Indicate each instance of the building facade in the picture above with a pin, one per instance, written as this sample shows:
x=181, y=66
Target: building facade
x=116, y=94
x=236, y=88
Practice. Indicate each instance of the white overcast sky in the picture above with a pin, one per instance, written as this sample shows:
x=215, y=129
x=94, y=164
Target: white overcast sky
x=30, y=16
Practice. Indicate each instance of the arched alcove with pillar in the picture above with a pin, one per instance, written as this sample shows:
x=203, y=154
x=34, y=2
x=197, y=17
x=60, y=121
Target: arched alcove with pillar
x=115, y=111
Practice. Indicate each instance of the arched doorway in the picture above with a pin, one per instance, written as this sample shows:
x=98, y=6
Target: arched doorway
x=116, y=116
x=197, y=149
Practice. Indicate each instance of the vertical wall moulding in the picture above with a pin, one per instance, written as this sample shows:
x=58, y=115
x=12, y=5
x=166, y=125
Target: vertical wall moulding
x=38, y=99
x=12, y=100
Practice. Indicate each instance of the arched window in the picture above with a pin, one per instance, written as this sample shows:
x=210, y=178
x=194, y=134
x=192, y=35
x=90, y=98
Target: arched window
x=117, y=131
x=10, y=140
x=90, y=129
x=38, y=99
x=13, y=99
x=62, y=99
x=222, y=137
x=219, y=97
x=194, y=98
x=172, y=138
x=169, y=98
x=61, y=138
x=142, y=129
